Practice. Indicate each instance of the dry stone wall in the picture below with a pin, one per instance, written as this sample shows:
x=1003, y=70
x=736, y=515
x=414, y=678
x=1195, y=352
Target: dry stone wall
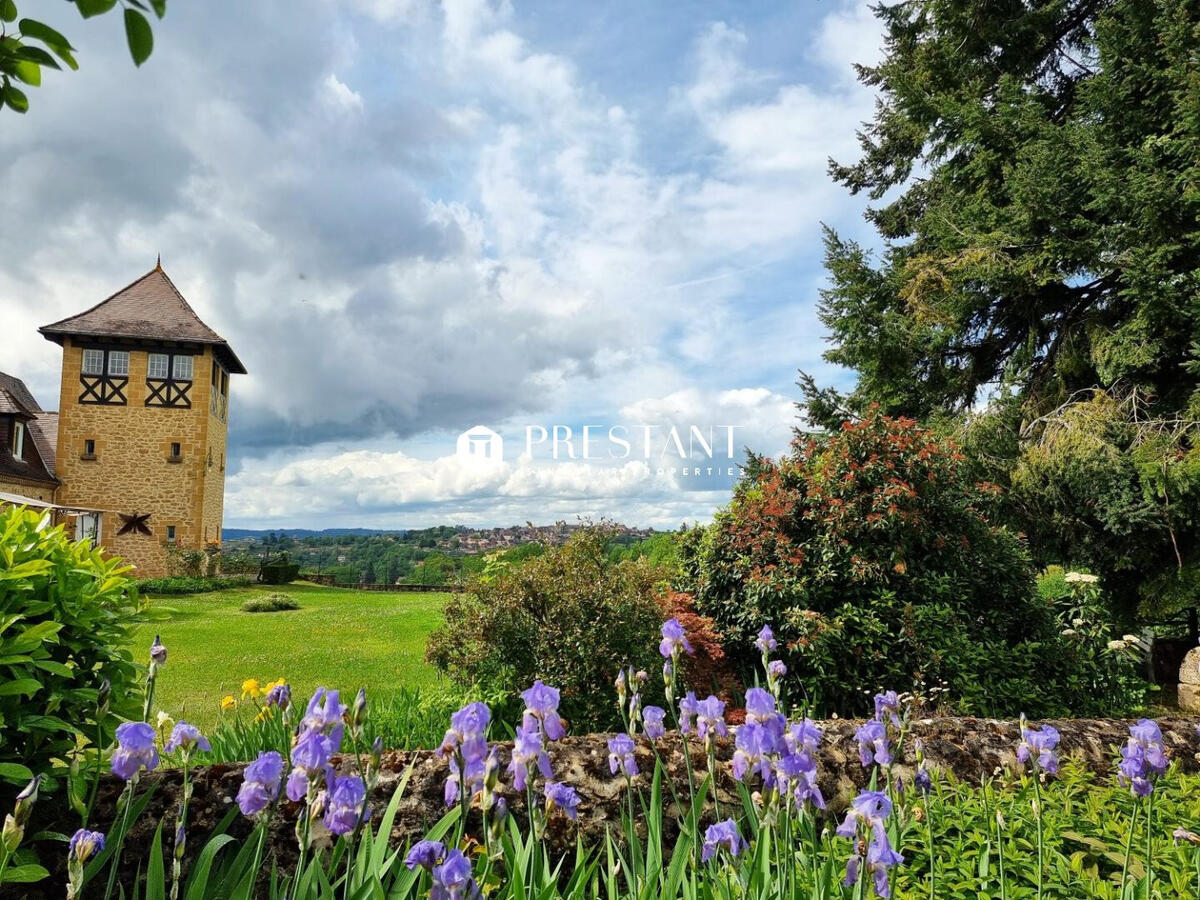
x=969, y=749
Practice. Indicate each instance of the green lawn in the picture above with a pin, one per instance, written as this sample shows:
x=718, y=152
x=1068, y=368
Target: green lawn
x=339, y=638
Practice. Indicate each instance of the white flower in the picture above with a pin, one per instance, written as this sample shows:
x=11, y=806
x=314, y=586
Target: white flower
x=1080, y=578
x=1078, y=623
x=1117, y=645
x=1069, y=632
x=165, y=722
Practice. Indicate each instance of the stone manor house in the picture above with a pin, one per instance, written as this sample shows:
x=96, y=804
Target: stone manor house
x=134, y=459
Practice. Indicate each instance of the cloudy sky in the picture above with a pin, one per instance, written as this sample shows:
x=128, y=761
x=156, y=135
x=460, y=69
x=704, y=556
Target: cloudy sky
x=410, y=218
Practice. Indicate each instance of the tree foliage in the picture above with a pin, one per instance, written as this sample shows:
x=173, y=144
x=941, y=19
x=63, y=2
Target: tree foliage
x=570, y=616
x=1037, y=172
x=873, y=555
x=32, y=45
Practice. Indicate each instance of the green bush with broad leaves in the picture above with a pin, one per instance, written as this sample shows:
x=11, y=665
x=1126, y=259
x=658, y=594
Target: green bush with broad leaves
x=66, y=615
x=570, y=616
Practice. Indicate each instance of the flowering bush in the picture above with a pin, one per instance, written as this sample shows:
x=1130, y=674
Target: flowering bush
x=66, y=614
x=875, y=554
x=570, y=617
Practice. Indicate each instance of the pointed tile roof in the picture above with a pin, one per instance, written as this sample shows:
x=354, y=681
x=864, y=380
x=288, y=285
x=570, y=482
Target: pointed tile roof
x=150, y=308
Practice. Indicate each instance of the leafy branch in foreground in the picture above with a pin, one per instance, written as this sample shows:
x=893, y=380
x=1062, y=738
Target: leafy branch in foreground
x=34, y=45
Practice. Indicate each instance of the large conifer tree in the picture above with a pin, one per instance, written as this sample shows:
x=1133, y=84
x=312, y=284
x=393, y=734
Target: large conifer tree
x=1036, y=167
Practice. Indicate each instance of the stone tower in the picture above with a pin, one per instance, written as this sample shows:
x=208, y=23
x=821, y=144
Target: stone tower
x=143, y=417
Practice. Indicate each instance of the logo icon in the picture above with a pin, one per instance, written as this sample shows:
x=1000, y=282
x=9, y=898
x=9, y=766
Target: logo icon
x=479, y=444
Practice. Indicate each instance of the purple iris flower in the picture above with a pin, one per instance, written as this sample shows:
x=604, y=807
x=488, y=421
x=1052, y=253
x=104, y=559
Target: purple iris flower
x=297, y=785
x=1148, y=736
x=135, y=749
x=722, y=836
x=1143, y=758
x=887, y=705
x=186, y=737
x=754, y=746
x=158, y=653
x=280, y=696
x=468, y=724
x=765, y=641
x=312, y=751
x=652, y=716
x=922, y=780
x=345, y=804
x=84, y=845
x=710, y=718
x=797, y=772
x=760, y=705
x=880, y=858
x=674, y=639
x=776, y=669
x=804, y=736
x=562, y=796
x=689, y=707
x=541, y=703
x=472, y=773
x=466, y=741
x=873, y=744
x=527, y=750
x=324, y=714
x=260, y=783
x=620, y=756
x=1038, y=744
x=426, y=854
x=870, y=810
x=452, y=879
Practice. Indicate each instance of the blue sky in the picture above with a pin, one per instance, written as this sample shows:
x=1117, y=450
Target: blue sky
x=413, y=217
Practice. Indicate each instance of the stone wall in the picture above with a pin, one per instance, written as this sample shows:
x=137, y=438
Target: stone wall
x=34, y=490
x=131, y=470
x=969, y=749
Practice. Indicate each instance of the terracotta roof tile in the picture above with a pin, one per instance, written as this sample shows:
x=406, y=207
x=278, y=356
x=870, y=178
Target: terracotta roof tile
x=150, y=308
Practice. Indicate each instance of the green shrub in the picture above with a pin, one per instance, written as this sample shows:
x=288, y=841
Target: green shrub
x=66, y=616
x=185, y=562
x=275, y=602
x=570, y=617
x=873, y=556
x=183, y=584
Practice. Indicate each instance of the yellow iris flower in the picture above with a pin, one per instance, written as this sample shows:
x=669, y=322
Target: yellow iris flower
x=251, y=688
x=228, y=703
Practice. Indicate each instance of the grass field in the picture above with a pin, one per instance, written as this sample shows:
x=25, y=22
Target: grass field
x=339, y=638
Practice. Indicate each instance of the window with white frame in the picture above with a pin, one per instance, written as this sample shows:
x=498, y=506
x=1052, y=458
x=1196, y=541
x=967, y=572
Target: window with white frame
x=158, y=366
x=118, y=362
x=18, y=440
x=181, y=368
x=93, y=362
